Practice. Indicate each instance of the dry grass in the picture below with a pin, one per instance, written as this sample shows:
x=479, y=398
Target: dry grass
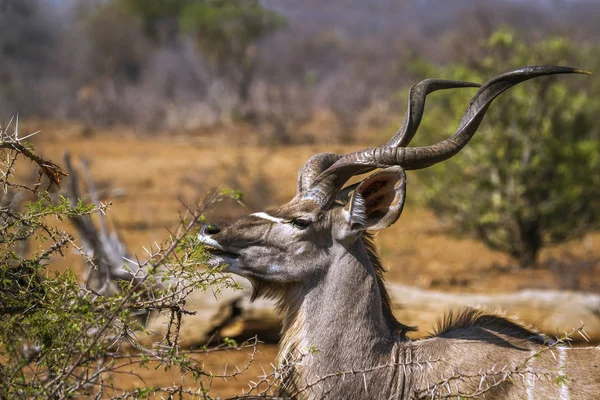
x=218, y=363
x=155, y=173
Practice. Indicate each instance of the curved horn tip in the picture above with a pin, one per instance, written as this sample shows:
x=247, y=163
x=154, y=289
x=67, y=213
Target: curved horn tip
x=545, y=70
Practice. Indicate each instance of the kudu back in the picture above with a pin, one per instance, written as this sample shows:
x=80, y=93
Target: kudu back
x=315, y=257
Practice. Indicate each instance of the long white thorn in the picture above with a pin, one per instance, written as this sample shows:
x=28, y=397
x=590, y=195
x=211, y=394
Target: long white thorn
x=9, y=122
x=28, y=136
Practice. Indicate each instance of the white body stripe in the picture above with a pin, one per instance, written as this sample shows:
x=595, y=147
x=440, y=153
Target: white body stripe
x=564, y=387
x=530, y=377
x=268, y=217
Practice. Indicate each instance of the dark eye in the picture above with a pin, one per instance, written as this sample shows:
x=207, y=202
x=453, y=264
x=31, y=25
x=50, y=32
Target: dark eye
x=301, y=222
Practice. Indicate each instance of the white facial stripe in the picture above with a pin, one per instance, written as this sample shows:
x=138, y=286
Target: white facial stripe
x=268, y=217
x=209, y=241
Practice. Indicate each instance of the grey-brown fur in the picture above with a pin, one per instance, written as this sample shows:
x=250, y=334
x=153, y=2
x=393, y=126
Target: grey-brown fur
x=315, y=257
x=361, y=351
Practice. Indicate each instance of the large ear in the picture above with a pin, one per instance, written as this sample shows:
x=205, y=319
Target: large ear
x=378, y=201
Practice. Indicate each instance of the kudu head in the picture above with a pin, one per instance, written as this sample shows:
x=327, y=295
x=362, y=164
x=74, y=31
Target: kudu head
x=297, y=243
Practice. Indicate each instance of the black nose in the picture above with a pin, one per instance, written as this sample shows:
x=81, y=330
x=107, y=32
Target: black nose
x=210, y=229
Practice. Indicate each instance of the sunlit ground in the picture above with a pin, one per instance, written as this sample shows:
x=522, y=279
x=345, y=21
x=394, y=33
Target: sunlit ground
x=147, y=179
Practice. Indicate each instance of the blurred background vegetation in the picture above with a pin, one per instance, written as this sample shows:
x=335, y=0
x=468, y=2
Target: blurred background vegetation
x=529, y=177
x=289, y=72
x=172, y=97
x=278, y=64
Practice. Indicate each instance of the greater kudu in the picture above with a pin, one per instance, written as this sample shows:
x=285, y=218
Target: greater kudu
x=340, y=338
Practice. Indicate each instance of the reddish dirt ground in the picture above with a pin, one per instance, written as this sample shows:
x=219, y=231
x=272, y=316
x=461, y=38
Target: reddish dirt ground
x=151, y=175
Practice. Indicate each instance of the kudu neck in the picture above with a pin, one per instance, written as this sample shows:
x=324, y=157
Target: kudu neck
x=341, y=315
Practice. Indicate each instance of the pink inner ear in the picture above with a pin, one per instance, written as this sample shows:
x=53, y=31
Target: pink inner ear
x=368, y=189
x=378, y=197
x=377, y=202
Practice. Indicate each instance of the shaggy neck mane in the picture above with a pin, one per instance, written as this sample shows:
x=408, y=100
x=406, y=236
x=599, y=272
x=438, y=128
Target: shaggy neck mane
x=386, y=303
x=452, y=324
x=456, y=324
x=287, y=297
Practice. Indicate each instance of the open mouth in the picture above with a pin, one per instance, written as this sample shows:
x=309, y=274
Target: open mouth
x=218, y=251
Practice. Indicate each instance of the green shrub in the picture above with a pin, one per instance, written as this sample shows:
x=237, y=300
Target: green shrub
x=529, y=177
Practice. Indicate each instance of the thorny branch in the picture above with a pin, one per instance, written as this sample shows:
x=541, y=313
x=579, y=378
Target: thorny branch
x=145, y=290
x=106, y=345
x=64, y=339
x=449, y=387
x=491, y=378
x=12, y=142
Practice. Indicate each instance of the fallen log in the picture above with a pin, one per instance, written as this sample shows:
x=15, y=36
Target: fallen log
x=231, y=314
